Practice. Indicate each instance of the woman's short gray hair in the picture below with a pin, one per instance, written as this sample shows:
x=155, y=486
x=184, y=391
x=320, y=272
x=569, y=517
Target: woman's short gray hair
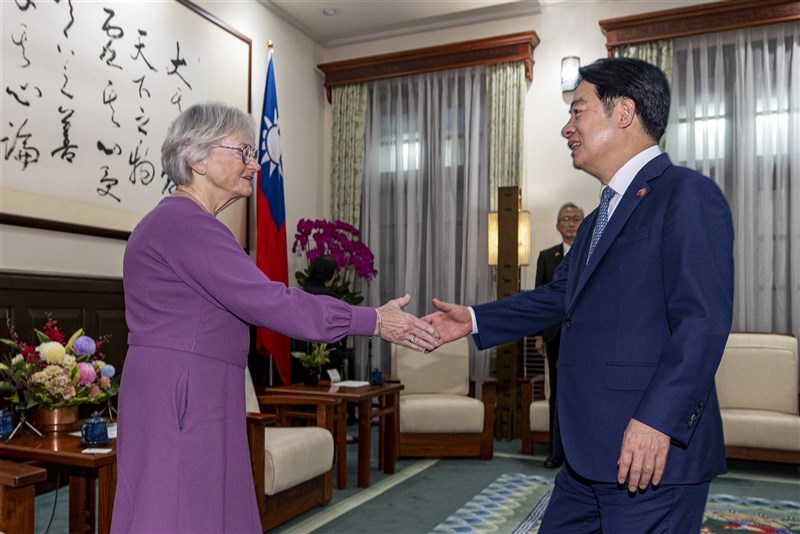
x=193, y=134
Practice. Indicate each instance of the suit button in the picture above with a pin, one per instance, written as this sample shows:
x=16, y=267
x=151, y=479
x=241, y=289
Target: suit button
x=568, y=323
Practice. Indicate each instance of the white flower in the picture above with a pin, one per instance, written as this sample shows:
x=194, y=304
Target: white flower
x=17, y=359
x=52, y=352
x=68, y=361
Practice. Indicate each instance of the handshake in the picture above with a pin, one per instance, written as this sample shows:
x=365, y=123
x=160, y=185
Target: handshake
x=424, y=334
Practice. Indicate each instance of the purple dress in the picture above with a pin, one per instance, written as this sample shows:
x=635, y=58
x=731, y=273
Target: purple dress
x=190, y=293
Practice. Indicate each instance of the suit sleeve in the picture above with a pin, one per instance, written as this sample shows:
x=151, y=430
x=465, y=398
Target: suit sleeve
x=523, y=314
x=697, y=260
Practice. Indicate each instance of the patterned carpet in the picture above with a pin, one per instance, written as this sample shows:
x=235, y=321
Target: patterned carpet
x=514, y=504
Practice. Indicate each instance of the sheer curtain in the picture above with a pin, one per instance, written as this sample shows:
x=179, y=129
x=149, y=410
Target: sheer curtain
x=736, y=118
x=426, y=195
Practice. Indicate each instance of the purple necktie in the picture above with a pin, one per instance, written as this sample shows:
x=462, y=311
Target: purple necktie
x=602, y=218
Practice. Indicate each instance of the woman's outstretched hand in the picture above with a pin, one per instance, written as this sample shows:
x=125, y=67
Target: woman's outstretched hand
x=405, y=329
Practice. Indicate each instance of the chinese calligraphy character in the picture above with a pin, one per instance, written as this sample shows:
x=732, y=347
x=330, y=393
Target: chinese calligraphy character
x=116, y=149
x=176, y=99
x=20, y=42
x=66, y=149
x=109, y=96
x=22, y=88
x=142, y=169
x=113, y=32
x=142, y=120
x=142, y=88
x=178, y=62
x=26, y=154
x=139, y=50
x=71, y=18
x=107, y=182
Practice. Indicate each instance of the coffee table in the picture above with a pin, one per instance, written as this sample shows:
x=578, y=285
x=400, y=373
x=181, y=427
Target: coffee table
x=84, y=470
x=372, y=401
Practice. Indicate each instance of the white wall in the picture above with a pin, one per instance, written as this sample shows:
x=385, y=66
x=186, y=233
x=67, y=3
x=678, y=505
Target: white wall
x=565, y=28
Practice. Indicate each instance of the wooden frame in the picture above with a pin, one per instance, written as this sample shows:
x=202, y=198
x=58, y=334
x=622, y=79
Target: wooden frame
x=78, y=187
x=491, y=51
x=695, y=20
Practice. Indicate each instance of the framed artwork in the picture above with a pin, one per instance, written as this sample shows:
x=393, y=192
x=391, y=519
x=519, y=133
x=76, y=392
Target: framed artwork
x=88, y=91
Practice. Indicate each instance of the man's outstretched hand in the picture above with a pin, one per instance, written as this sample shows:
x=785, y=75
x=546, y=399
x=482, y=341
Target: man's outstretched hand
x=452, y=321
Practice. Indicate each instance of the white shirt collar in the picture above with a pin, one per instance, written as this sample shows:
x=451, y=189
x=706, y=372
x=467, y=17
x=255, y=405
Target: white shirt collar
x=566, y=247
x=624, y=176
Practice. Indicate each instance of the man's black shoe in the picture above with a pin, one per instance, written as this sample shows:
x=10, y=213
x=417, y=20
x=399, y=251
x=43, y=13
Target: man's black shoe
x=552, y=463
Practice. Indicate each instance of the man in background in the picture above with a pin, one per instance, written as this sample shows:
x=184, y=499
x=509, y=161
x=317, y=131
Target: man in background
x=548, y=342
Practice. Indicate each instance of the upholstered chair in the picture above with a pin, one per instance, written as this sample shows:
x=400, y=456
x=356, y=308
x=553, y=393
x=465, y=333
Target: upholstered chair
x=757, y=386
x=534, y=422
x=440, y=415
x=292, y=465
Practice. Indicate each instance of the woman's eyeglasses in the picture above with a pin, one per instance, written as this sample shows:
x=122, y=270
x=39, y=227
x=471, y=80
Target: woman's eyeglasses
x=574, y=218
x=248, y=152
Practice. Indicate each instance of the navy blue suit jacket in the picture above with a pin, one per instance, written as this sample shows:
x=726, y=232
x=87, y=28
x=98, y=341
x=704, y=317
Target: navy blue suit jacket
x=644, y=324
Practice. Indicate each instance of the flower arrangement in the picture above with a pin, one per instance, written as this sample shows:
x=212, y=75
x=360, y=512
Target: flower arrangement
x=56, y=373
x=341, y=241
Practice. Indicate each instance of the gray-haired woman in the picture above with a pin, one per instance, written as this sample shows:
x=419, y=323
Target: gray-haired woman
x=190, y=294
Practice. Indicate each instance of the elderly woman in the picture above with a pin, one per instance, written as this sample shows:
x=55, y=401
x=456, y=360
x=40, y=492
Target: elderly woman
x=191, y=293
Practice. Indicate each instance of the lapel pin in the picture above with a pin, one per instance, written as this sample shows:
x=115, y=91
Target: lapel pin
x=641, y=192
x=558, y=254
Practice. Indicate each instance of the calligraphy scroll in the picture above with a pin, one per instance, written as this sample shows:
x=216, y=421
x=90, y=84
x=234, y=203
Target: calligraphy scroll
x=88, y=91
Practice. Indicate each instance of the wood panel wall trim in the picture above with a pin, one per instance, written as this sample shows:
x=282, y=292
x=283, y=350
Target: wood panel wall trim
x=695, y=20
x=490, y=51
x=66, y=283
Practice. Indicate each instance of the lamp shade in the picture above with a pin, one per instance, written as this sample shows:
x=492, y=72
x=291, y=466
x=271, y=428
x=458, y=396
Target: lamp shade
x=523, y=238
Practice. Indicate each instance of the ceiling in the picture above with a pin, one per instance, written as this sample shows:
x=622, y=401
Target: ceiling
x=356, y=21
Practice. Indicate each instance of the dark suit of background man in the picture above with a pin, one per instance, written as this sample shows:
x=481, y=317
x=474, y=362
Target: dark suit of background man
x=548, y=342
x=645, y=300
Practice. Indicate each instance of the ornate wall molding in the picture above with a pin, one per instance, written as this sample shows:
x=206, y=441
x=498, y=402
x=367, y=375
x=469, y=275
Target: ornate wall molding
x=491, y=51
x=694, y=20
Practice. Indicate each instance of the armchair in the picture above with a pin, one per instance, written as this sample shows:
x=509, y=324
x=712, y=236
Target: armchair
x=292, y=465
x=757, y=386
x=534, y=400
x=439, y=414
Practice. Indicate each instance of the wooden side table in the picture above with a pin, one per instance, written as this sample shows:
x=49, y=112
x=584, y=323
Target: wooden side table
x=85, y=471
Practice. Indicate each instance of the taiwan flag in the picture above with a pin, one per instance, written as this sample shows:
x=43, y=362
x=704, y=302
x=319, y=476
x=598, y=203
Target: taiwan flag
x=271, y=224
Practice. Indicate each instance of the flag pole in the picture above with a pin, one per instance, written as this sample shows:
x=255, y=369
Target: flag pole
x=271, y=366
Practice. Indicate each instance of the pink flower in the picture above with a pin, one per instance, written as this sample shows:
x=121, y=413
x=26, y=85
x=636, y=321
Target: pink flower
x=86, y=374
x=94, y=392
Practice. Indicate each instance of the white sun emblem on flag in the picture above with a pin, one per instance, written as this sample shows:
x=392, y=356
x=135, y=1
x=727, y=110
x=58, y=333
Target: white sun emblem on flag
x=271, y=143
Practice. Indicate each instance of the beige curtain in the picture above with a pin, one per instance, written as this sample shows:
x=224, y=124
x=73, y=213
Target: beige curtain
x=347, y=152
x=658, y=53
x=505, y=95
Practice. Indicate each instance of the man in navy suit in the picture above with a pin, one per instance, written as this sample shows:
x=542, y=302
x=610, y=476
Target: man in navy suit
x=645, y=298
x=547, y=342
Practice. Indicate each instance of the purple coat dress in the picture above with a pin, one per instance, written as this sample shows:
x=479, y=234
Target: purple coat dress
x=190, y=293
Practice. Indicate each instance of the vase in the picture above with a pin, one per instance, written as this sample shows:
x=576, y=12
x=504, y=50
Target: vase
x=56, y=420
x=312, y=379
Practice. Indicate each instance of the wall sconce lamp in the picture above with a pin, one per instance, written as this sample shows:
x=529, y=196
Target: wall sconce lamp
x=569, y=73
x=523, y=238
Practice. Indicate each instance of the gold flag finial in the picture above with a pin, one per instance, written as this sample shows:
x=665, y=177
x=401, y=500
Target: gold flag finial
x=269, y=44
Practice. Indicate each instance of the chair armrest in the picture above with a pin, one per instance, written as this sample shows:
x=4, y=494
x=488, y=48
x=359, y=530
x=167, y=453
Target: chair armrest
x=260, y=419
x=391, y=379
x=528, y=389
x=482, y=382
